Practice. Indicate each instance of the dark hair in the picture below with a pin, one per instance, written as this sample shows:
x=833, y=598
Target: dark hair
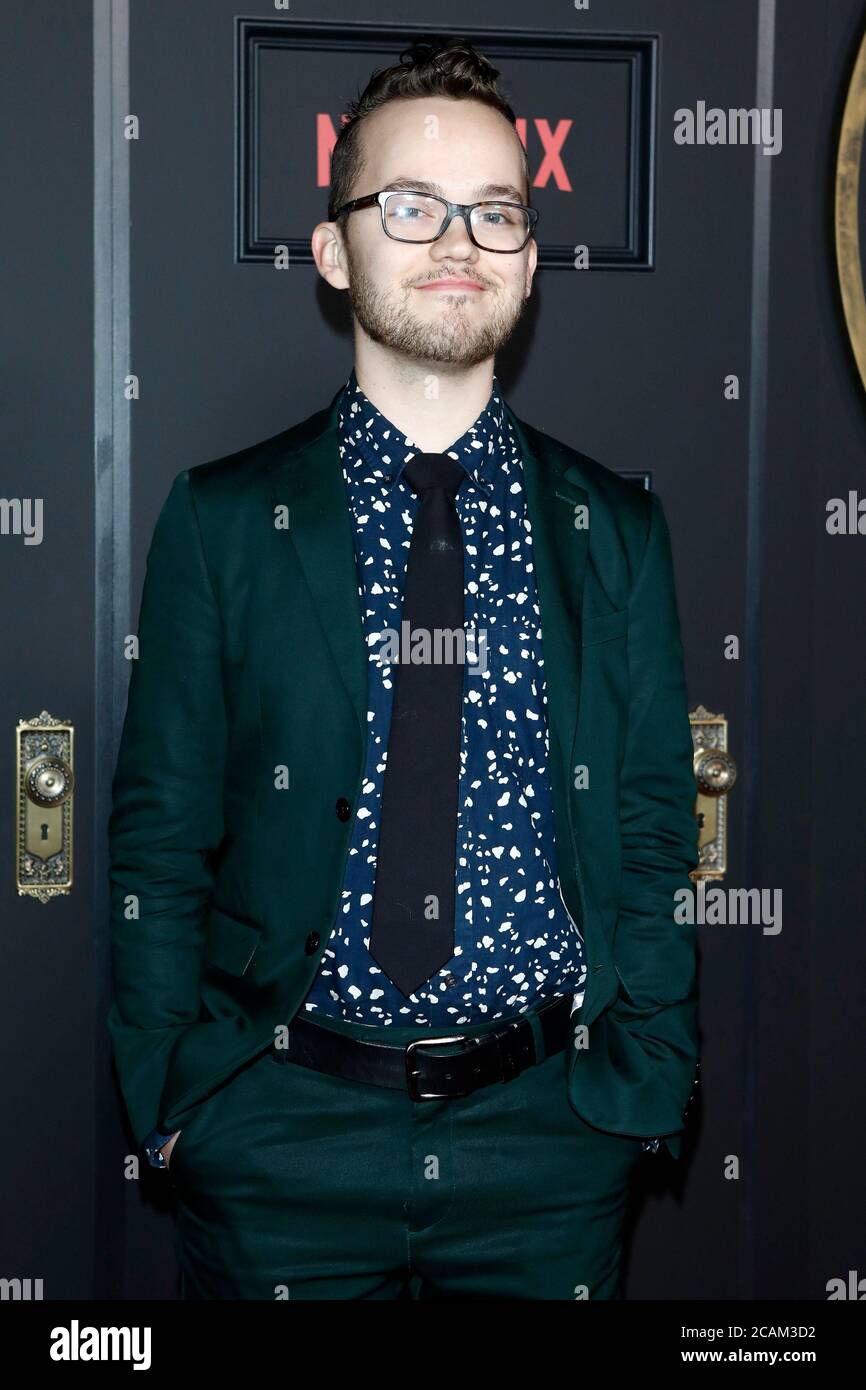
x=448, y=67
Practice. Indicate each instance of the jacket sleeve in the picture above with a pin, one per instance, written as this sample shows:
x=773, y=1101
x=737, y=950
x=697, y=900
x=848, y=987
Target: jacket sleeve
x=654, y=952
x=167, y=809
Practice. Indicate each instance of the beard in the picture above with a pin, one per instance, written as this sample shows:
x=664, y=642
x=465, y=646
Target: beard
x=386, y=318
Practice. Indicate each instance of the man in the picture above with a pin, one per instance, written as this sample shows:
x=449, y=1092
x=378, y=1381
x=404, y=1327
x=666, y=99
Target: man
x=401, y=996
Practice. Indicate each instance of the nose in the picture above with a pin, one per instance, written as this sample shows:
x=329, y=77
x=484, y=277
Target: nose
x=455, y=241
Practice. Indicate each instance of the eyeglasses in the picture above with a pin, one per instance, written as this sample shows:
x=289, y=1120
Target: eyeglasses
x=411, y=216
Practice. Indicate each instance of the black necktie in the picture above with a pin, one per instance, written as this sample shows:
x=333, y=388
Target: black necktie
x=412, y=932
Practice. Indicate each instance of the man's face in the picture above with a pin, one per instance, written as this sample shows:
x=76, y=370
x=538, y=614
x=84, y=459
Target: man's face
x=403, y=294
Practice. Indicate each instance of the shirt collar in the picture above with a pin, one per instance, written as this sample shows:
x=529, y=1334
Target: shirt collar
x=386, y=450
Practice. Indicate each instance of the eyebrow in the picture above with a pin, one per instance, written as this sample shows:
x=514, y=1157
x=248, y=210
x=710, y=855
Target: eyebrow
x=482, y=192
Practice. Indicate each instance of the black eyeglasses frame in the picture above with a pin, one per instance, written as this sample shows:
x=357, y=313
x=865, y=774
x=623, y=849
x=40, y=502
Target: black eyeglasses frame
x=463, y=210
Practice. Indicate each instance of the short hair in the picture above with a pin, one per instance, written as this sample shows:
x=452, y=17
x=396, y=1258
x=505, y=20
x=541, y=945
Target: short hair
x=430, y=67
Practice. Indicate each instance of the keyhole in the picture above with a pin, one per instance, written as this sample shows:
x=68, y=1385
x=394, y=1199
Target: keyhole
x=45, y=831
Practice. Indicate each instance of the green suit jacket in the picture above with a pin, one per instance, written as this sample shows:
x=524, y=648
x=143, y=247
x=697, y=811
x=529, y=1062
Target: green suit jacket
x=252, y=670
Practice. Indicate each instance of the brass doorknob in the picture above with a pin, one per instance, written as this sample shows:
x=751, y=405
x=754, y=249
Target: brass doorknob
x=48, y=781
x=44, y=805
x=715, y=774
x=715, y=771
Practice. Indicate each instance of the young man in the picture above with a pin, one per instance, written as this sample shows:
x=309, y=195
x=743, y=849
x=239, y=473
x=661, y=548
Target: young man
x=401, y=995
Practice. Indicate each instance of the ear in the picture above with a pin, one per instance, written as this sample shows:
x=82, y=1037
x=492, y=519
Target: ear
x=329, y=253
x=531, y=262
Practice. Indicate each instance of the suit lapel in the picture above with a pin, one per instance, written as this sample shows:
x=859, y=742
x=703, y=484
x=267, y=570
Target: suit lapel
x=310, y=484
x=553, y=492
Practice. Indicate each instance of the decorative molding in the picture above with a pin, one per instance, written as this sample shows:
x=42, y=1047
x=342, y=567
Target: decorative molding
x=638, y=51
x=848, y=250
x=112, y=465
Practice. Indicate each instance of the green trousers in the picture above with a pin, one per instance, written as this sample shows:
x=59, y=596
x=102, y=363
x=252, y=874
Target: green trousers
x=293, y=1184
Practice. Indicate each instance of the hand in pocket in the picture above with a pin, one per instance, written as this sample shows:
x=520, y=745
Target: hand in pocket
x=167, y=1148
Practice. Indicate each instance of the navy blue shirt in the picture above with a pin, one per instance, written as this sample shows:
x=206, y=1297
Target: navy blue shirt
x=515, y=941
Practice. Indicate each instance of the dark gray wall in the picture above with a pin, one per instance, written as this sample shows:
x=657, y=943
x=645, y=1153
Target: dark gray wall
x=819, y=448
x=49, y=969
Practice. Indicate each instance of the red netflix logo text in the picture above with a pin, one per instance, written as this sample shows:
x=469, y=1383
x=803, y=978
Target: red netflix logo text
x=551, y=166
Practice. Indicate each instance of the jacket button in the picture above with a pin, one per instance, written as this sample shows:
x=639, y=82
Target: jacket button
x=312, y=943
x=343, y=808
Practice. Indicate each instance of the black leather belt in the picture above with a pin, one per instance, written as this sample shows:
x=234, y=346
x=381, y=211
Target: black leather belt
x=498, y=1055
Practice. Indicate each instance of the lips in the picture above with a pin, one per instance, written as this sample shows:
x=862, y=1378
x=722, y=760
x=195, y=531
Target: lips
x=451, y=285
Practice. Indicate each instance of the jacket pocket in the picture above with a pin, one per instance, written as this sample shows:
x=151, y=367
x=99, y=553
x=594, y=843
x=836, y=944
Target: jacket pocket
x=604, y=627
x=231, y=944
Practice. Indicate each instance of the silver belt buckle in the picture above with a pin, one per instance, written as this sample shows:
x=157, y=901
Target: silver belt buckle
x=411, y=1074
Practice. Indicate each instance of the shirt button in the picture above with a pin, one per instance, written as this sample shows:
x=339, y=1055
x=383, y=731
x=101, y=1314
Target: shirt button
x=312, y=943
x=343, y=808
x=448, y=981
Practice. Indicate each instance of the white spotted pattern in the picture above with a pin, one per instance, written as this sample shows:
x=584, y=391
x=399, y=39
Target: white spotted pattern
x=516, y=943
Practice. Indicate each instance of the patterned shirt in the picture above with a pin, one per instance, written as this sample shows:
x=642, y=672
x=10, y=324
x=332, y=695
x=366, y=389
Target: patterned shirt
x=515, y=941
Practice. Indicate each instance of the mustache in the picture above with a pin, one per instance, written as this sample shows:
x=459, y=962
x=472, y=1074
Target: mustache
x=452, y=275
